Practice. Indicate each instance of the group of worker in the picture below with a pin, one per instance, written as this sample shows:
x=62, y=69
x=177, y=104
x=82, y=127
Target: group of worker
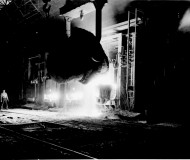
x=4, y=99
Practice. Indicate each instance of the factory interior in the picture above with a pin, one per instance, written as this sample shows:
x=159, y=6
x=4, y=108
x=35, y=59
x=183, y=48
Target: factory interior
x=95, y=63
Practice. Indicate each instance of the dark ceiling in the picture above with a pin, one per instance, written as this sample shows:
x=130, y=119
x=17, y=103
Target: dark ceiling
x=30, y=11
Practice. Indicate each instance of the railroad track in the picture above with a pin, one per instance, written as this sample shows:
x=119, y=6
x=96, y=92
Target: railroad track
x=24, y=130
x=78, y=140
x=94, y=138
x=70, y=153
x=68, y=135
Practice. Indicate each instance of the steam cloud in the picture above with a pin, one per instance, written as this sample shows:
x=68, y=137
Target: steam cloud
x=185, y=22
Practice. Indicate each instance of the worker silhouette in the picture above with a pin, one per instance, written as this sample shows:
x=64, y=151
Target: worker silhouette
x=4, y=99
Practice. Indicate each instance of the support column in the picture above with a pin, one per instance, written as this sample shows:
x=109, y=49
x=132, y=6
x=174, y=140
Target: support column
x=68, y=32
x=68, y=26
x=99, y=5
x=45, y=70
x=39, y=85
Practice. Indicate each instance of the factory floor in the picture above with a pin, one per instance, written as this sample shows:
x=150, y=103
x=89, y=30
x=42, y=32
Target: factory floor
x=50, y=134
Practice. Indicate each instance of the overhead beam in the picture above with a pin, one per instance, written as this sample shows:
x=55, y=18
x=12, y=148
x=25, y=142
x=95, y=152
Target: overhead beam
x=75, y=13
x=84, y=9
x=99, y=4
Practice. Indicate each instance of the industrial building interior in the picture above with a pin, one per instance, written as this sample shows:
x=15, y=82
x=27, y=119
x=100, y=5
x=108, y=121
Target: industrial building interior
x=102, y=59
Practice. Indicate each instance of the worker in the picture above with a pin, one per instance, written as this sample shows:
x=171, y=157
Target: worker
x=4, y=99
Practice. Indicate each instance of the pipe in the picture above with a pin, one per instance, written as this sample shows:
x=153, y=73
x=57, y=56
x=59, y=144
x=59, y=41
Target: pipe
x=99, y=5
x=68, y=26
x=98, y=23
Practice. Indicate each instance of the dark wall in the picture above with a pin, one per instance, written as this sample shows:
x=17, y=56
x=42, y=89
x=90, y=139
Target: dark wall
x=162, y=63
x=18, y=41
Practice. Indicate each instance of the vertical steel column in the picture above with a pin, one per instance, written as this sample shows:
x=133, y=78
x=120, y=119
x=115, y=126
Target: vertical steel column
x=35, y=92
x=128, y=71
x=29, y=69
x=99, y=5
x=119, y=70
x=23, y=84
x=135, y=39
x=45, y=69
x=68, y=32
x=39, y=84
x=45, y=72
x=98, y=23
x=68, y=26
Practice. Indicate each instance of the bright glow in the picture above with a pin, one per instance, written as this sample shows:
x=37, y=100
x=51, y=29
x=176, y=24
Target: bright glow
x=77, y=95
x=83, y=99
x=185, y=22
x=5, y=2
x=103, y=79
x=51, y=96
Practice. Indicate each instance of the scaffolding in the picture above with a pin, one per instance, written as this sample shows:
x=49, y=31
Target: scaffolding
x=124, y=39
x=19, y=11
x=131, y=55
x=4, y=3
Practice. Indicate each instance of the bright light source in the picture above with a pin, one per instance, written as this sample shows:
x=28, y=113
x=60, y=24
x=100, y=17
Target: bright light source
x=76, y=95
x=83, y=99
x=52, y=96
x=103, y=79
x=5, y=2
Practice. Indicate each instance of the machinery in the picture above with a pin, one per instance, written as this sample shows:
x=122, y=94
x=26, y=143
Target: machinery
x=119, y=43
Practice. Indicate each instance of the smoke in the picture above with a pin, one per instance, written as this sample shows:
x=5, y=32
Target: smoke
x=185, y=22
x=109, y=13
x=119, y=6
x=112, y=9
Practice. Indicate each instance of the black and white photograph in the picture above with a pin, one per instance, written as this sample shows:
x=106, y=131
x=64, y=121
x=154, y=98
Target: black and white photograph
x=94, y=79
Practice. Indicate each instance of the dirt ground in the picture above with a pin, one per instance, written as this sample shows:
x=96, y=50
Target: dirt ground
x=109, y=136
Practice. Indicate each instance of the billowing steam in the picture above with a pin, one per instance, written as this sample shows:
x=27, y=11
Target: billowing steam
x=84, y=98
x=110, y=11
x=119, y=6
x=185, y=22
